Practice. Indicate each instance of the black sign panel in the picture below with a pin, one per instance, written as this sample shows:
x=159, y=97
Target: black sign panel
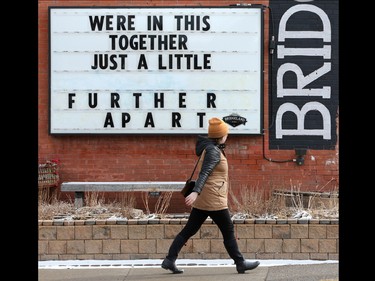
x=304, y=74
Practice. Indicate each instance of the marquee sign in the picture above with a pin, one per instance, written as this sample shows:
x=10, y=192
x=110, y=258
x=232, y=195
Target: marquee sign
x=150, y=70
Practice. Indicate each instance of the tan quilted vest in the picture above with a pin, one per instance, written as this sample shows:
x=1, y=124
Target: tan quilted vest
x=214, y=195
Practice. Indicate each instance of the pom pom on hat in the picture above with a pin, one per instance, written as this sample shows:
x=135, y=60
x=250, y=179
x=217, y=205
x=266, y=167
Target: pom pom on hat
x=217, y=128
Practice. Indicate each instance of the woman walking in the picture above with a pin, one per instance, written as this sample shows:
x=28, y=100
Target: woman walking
x=210, y=198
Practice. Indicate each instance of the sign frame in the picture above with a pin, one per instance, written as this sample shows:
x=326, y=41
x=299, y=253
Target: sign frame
x=243, y=114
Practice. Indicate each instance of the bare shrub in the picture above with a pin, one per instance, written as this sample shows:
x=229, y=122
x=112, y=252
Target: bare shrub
x=161, y=205
x=316, y=204
x=127, y=204
x=255, y=202
x=94, y=199
x=241, y=202
x=145, y=196
x=251, y=201
x=47, y=211
x=47, y=194
x=163, y=202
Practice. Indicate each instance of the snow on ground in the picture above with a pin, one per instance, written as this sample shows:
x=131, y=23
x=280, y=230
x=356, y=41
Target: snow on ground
x=64, y=264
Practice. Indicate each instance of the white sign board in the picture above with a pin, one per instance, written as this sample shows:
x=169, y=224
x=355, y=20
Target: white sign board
x=150, y=70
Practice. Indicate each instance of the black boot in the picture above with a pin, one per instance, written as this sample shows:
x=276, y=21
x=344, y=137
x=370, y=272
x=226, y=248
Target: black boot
x=174, y=249
x=246, y=265
x=170, y=265
x=241, y=264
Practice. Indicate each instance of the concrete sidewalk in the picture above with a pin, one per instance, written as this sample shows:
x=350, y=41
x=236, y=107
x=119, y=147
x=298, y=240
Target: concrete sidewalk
x=266, y=271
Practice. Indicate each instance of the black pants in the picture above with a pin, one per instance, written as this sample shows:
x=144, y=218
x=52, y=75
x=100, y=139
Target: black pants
x=197, y=217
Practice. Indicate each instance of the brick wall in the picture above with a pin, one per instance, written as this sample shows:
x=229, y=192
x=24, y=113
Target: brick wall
x=150, y=239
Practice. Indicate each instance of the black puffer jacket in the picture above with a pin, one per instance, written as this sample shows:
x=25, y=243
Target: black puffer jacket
x=211, y=159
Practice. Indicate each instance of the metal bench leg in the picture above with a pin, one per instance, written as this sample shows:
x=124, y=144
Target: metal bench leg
x=78, y=199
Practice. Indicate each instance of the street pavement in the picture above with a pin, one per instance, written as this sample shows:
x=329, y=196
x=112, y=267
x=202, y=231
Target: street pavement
x=193, y=270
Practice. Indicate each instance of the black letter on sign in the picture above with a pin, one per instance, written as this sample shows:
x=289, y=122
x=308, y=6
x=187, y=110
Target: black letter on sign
x=137, y=95
x=114, y=100
x=142, y=62
x=108, y=120
x=159, y=100
x=95, y=21
x=149, y=120
x=201, y=115
x=211, y=97
x=92, y=103
x=71, y=100
x=181, y=100
x=176, y=117
x=125, y=119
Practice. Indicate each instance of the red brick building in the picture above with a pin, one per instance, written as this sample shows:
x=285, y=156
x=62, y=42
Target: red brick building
x=304, y=82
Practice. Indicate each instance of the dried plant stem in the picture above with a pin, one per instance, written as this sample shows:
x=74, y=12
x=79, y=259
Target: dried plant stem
x=145, y=202
x=163, y=202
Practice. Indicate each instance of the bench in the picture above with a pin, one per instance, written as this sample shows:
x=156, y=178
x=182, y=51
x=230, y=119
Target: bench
x=79, y=188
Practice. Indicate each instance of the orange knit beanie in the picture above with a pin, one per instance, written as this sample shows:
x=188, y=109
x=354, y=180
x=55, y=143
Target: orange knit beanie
x=217, y=128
